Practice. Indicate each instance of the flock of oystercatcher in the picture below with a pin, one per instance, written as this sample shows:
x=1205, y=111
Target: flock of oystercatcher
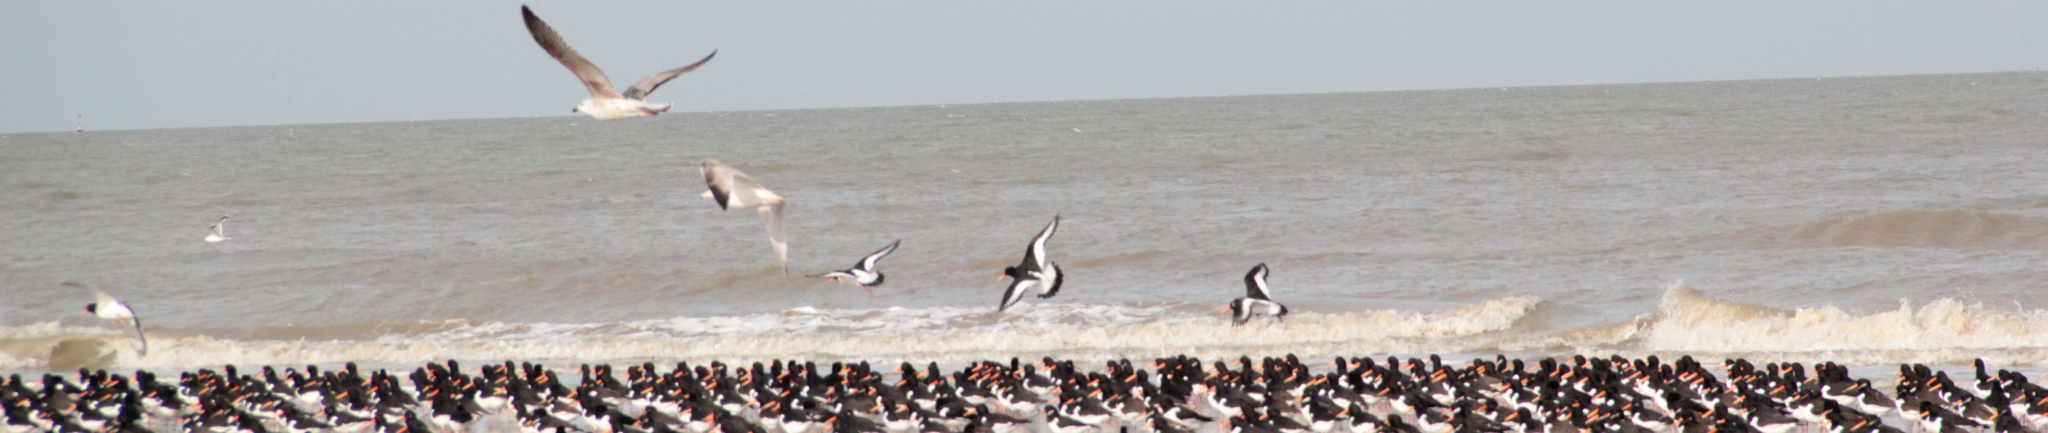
x=1173, y=395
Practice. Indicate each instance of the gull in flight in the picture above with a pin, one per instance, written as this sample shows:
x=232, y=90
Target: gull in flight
x=106, y=307
x=1257, y=299
x=864, y=272
x=218, y=232
x=731, y=188
x=1036, y=270
x=605, y=103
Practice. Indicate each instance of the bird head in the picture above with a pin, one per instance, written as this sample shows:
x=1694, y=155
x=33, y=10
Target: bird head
x=92, y=308
x=1238, y=315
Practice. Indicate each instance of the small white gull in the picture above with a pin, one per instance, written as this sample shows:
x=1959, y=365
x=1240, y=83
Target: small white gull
x=731, y=188
x=219, y=231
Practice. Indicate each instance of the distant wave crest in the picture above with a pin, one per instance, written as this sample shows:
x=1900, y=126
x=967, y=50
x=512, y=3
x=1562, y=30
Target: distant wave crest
x=1686, y=322
x=945, y=333
x=1912, y=229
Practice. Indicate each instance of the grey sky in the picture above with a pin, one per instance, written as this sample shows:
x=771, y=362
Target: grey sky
x=128, y=64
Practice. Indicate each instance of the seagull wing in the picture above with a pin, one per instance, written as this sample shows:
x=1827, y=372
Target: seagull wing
x=771, y=216
x=1255, y=284
x=138, y=333
x=99, y=296
x=869, y=262
x=219, y=227
x=593, y=78
x=746, y=192
x=647, y=85
x=733, y=188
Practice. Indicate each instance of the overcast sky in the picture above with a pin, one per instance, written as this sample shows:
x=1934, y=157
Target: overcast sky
x=128, y=64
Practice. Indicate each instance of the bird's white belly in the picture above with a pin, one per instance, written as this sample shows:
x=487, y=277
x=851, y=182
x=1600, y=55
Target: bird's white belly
x=864, y=277
x=614, y=109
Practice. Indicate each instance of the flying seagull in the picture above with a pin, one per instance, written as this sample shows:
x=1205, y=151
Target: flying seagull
x=731, y=188
x=1036, y=270
x=604, y=103
x=1257, y=298
x=218, y=232
x=864, y=272
x=106, y=307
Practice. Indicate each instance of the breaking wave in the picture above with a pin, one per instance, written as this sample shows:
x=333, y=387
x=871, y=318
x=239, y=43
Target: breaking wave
x=945, y=333
x=1685, y=322
x=1942, y=331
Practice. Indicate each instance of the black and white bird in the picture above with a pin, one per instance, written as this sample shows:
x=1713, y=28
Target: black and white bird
x=106, y=307
x=1257, y=299
x=864, y=272
x=1036, y=271
x=605, y=103
x=219, y=230
x=731, y=188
